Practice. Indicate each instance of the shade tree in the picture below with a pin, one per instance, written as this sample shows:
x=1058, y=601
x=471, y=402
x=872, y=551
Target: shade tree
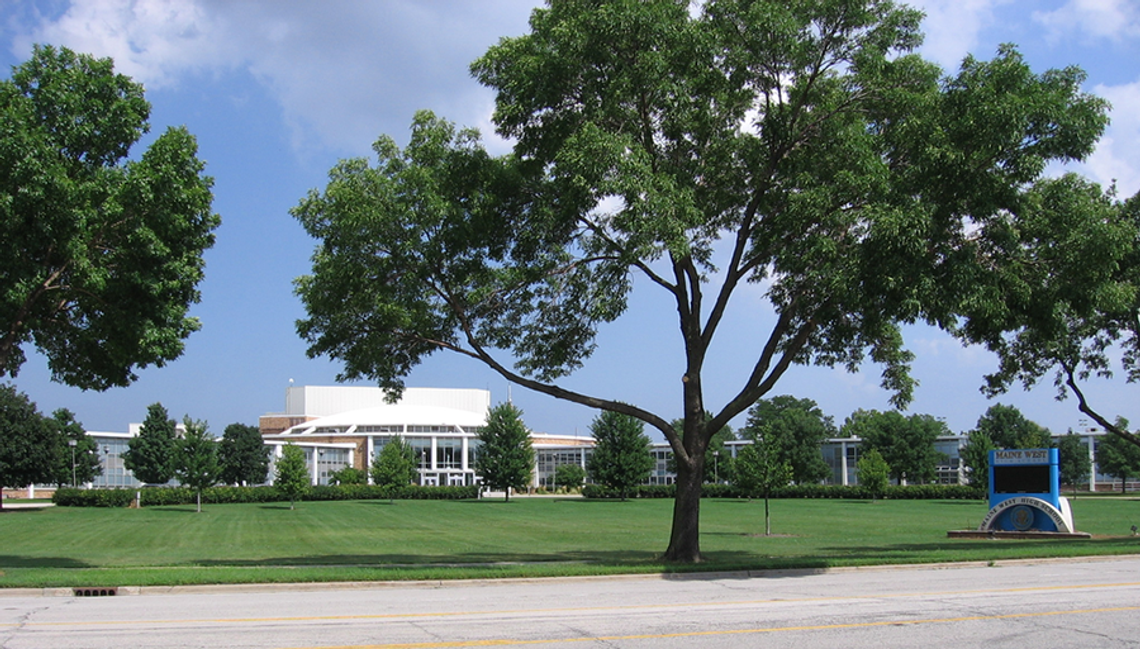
x=798, y=147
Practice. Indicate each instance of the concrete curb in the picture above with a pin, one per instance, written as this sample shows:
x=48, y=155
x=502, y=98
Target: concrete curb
x=213, y=589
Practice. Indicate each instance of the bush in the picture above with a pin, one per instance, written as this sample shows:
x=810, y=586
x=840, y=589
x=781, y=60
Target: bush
x=165, y=496
x=850, y=492
x=69, y=497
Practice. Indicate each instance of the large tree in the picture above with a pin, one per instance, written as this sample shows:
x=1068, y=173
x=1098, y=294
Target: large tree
x=506, y=457
x=623, y=455
x=150, y=454
x=243, y=456
x=797, y=146
x=196, y=458
x=906, y=444
x=29, y=443
x=795, y=429
x=101, y=257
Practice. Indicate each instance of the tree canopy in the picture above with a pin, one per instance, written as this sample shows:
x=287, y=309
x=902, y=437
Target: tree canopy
x=622, y=457
x=196, y=459
x=1117, y=457
x=1075, y=464
x=1000, y=427
x=243, y=456
x=794, y=429
x=906, y=444
x=29, y=443
x=292, y=477
x=100, y=257
x=1069, y=275
x=800, y=147
x=150, y=455
x=81, y=463
x=395, y=464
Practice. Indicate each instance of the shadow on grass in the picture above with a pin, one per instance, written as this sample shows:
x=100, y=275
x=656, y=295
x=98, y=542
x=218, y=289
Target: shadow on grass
x=10, y=561
x=726, y=565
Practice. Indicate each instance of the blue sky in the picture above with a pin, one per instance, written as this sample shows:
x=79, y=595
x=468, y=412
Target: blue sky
x=278, y=91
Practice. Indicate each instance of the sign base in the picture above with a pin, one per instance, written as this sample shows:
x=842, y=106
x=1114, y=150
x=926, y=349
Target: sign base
x=1002, y=534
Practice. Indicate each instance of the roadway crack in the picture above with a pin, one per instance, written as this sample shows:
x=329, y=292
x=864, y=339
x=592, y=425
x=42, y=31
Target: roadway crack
x=18, y=625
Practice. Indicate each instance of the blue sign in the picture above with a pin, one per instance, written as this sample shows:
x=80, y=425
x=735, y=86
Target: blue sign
x=1025, y=492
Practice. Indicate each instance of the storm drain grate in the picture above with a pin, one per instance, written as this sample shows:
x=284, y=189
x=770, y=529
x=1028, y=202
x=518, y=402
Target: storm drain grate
x=96, y=592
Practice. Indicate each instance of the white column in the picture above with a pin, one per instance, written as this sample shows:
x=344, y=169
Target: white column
x=370, y=446
x=843, y=462
x=1092, y=462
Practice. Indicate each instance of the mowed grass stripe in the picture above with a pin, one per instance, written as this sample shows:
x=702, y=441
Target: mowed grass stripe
x=366, y=540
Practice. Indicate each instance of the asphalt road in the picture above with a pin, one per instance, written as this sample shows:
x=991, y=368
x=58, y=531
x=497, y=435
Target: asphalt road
x=1090, y=603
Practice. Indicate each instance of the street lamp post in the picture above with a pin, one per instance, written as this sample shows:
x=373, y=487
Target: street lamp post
x=72, y=443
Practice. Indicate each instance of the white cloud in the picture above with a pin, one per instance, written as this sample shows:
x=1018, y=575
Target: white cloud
x=952, y=27
x=1117, y=156
x=343, y=73
x=1113, y=19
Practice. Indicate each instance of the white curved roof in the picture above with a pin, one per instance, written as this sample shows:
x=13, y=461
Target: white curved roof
x=393, y=415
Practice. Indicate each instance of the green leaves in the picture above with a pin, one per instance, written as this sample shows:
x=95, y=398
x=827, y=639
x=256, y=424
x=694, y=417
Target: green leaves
x=505, y=457
x=101, y=257
x=621, y=459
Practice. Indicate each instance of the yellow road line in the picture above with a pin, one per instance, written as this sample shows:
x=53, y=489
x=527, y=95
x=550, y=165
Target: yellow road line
x=506, y=642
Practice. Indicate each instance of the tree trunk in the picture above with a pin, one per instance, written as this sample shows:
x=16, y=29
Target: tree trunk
x=767, y=518
x=685, y=538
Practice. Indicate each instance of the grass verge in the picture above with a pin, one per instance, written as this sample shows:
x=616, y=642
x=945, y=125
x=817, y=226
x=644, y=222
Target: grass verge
x=430, y=540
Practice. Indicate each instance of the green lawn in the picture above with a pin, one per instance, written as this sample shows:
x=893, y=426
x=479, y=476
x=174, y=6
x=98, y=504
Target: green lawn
x=369, y=540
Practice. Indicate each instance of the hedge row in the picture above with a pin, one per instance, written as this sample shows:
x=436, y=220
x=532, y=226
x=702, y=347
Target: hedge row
x=853, y=492
x=68, y=497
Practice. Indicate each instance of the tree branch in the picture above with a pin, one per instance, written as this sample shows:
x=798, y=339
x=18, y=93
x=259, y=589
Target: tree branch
x=1083, y=406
